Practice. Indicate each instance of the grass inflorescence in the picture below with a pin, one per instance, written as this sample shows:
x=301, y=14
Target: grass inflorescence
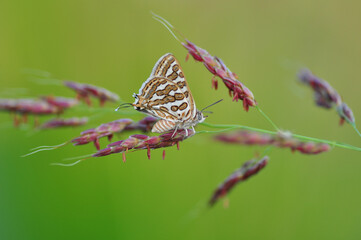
x=325, y=96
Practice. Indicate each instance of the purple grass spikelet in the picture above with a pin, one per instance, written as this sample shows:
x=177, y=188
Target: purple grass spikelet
x=144, y=125
x=64, y=122
x=139, y=142
x=104, y=130
x=281, y=140
x=61, y=103
x=247, y=170
x=25, y=107
x=326, y=96
x=84, y=91
x=217, y=67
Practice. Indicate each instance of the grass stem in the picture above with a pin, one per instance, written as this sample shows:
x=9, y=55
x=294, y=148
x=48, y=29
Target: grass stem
x=226, y=127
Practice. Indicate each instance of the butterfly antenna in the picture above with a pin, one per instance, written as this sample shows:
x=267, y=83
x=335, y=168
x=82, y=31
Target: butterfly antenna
x=123, y=105
x=212, y=104
x=169, y=26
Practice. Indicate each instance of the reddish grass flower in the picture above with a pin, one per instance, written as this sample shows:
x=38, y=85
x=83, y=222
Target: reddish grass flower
x=325, y=96
x=144, y=125
x=345, y=112
x=247, y=170
x=94, y=134
x=79, y=88
x=36, y=107
x=104, y=130
x=141, y=142
x=281, y=140
x=27, y=107
x=69, y=122
x=60, y=102
x=8, y=104
x=85, y=90
x=217, y=67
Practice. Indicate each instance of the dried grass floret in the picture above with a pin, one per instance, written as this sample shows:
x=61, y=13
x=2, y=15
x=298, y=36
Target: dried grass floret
x=25, y=107
x=247, y=170
x=61, y=103
x=281, y=140
x=216, y=66
x=139, y=142
x=326, y=96
x=104, y=130
x=144, y=125
x=91, y=135
x=64, y=122
x=84, y=91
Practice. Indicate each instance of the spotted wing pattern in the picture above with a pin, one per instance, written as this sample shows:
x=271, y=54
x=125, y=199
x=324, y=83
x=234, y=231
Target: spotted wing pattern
x=163, y=98
x=165, y=94
x=169, y=67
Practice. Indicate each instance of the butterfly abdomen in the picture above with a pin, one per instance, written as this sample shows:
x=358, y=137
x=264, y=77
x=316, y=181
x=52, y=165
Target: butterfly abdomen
x=163, y=126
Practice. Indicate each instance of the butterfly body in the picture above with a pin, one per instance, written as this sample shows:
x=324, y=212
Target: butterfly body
x=166, y=95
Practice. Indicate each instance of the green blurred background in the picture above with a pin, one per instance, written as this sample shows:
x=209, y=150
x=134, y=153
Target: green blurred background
x=114, y=44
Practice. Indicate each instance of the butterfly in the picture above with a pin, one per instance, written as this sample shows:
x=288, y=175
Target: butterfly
x=166, y=95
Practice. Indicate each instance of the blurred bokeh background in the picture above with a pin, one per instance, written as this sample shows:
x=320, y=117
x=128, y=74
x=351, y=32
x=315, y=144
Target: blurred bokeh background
x=114, y=44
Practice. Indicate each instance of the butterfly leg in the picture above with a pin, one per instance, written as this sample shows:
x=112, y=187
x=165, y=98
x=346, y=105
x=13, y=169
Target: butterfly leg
x=175, y=131
x=194, y=131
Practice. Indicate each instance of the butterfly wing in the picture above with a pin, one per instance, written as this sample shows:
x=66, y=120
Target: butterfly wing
x=169, y=67
x=162, y=98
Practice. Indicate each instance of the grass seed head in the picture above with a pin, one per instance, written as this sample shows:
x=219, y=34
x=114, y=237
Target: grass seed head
x=85, y=90
x=144, y=125
x=247, y=170
x=345, y=113
x=28, y=106
x=104, y=130
x=217, y=67
x=8, y=104
x=281, y=140
x=61, y=122
x=60, y=102
x=140, y=142
x=326, y=96
x=101, y=93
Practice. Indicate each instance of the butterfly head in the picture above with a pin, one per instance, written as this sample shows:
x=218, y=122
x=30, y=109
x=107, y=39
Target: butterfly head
x=200, y=117
x=138, y=103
